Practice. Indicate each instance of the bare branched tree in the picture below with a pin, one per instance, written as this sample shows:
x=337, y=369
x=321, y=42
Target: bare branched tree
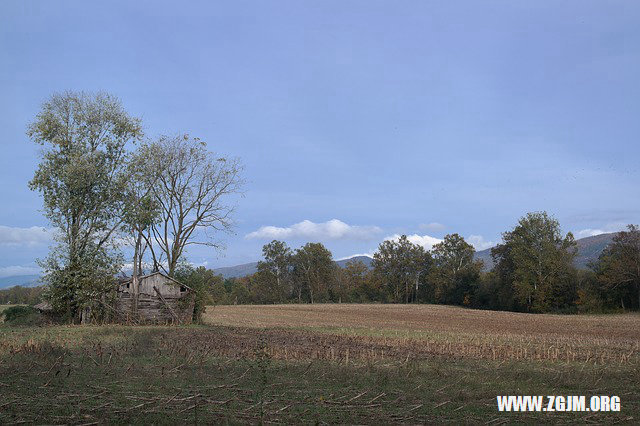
x=192, y=193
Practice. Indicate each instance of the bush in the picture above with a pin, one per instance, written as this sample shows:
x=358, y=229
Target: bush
x=204, y=282
x=22, y=315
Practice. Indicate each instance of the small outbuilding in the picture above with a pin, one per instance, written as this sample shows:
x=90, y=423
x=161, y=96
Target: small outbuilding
x=44, y=307
x=155, y=298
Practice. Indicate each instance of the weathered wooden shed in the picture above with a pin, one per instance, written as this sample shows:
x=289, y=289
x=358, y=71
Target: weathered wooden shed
x=155, y=298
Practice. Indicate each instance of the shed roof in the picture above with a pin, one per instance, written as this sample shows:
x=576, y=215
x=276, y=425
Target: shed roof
x=44, y=306
x=157, y=273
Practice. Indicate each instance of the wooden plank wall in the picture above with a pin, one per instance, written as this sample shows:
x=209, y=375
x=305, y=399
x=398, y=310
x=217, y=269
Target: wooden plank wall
x=151, y=308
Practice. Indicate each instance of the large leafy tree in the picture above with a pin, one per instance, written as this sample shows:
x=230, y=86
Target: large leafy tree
x=403, y=267
x=536, y=262
x=618, y=268
x=454, y=274
x=81, y=176
x=314, y=271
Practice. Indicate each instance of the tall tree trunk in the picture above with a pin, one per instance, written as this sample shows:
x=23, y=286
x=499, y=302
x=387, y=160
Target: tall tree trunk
x=135, y=284
x=278, y=289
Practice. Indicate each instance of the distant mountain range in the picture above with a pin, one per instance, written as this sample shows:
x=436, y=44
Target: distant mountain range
x=589, y=248
x=251, y=268
x=21, y=280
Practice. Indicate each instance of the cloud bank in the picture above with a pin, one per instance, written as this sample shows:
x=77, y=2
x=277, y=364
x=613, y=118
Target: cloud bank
x=425, y=241
x=479, y=242
x=331, y=230
x=610, y=227
x=35, y=235
x=370, y=254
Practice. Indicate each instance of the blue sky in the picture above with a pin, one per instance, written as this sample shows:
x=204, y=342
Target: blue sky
x=366, y=119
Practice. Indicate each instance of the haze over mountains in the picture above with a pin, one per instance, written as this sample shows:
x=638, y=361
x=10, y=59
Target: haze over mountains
x=21, y=280
x=589, y=249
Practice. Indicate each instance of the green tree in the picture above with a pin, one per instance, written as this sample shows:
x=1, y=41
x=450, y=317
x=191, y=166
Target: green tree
x=82, y=178
x=591, y=294
x=348, y=279
x=356, y=284
x=315, y=272
x=454, y=274
x=537, y=262
x=403, y=267
x=275, y=270
x=239, y=293
x=264, y=288
x=618, y=268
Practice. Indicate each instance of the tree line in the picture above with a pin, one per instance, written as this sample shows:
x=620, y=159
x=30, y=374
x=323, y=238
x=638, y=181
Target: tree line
x=534, y=272
x=21, y=295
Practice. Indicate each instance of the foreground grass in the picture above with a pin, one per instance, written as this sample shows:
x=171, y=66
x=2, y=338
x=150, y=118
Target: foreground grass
x=206, y=374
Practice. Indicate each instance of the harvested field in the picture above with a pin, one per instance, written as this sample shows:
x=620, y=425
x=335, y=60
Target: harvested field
x=420, y=331
x=434, y=318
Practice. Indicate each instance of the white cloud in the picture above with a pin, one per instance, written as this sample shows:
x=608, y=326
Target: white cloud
x=10, y=236
x=428, y=241
x=589, y=232
x=331, y=230
x=10, y=271
x=425, y=241
x=610, y=227
x=370, y=254
x=433, y=226
x=479, y=242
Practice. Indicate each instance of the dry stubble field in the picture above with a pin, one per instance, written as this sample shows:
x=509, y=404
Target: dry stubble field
x=418, y=331
x=323, y=364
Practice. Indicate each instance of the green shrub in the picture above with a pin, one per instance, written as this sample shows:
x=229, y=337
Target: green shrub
x=22, y=315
